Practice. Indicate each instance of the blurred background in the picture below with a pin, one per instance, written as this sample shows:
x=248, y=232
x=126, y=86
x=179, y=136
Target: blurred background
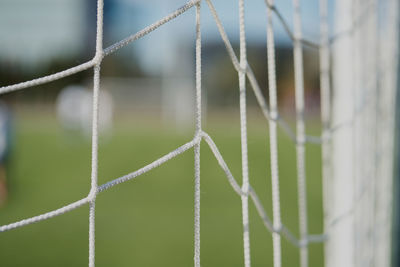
x=147, y=109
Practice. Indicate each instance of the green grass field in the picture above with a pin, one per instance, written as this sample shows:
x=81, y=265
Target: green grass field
x=148, y=221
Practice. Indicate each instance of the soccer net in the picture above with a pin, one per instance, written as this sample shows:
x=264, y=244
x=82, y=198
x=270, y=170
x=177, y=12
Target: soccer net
x=358, y=80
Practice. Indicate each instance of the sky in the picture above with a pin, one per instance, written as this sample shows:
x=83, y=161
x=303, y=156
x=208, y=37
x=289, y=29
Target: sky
x=129, y=16
x=43, y=30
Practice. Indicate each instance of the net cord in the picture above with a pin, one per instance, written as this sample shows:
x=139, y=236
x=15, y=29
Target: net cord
x=276, y=227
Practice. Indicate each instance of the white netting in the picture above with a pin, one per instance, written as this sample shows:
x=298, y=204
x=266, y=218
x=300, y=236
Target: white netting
x=270, y=112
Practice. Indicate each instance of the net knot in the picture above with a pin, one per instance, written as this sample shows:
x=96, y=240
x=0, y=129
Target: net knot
x=198, y=136
x=303, y=243
x=278, y=229
x=274, y=115
x=301, y=140
x=98, y=57
x=92, y=194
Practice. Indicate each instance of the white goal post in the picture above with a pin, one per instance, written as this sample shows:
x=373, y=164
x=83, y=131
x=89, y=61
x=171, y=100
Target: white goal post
x=358, y=56
x=360, y=187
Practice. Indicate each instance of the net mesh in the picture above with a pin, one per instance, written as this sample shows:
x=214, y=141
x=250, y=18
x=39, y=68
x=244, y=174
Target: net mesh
x=270, y=112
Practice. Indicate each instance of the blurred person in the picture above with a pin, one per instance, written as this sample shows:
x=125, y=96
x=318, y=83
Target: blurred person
x=5, y=148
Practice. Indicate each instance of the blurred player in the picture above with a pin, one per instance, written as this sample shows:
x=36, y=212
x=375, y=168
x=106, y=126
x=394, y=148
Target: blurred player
x=5, y=148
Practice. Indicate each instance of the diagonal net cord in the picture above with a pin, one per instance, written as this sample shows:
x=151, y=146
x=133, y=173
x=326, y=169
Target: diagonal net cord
x=89, y=64
x=253, y=82
x=256, y=88
x=285, y=25
x=95, y=62
x=101, y=188
x=235, y=186
x=277, y=228
x=45, y=216
x=260, y=209
x=113, y=48
x=107, y=51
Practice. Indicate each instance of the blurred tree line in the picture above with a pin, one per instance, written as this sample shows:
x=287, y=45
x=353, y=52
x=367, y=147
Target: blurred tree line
x=220, y=79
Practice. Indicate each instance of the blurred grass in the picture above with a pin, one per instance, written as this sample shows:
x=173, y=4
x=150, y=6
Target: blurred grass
x=148, y=221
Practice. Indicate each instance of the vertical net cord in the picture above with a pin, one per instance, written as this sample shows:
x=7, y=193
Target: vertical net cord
x=197, y=146
x=276, y=209
x=324, y=57
x=243, y=134
x=95, y=115
x=300, y=133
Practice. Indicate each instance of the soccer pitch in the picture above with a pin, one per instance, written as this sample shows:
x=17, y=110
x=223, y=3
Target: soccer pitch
x=149, y=221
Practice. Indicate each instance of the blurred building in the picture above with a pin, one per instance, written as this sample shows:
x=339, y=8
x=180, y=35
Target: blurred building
x=45, y=36
x=35, y=32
